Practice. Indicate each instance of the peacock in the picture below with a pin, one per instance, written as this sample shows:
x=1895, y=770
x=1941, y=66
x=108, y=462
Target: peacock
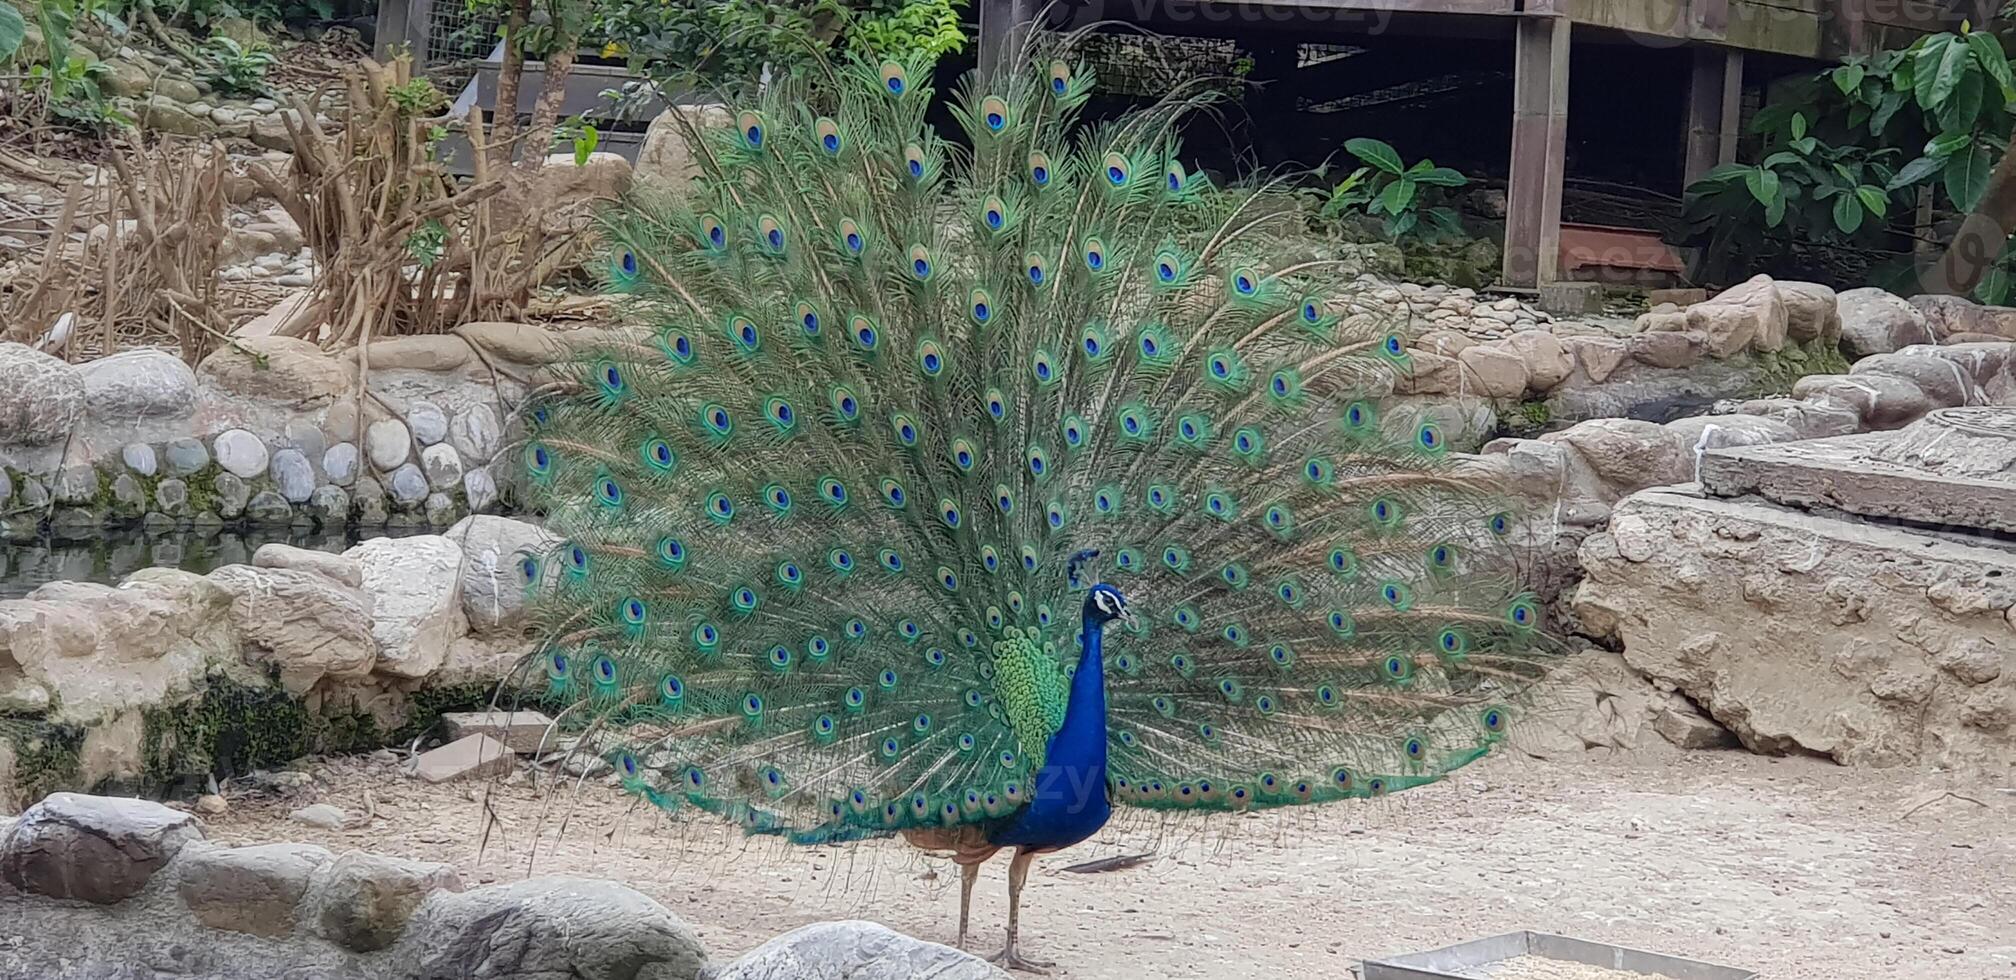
x=970, y=489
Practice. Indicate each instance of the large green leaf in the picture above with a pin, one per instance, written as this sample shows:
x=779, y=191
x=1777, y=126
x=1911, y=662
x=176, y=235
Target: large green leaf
x=1440, y=177
x=1847, y=214
x=1946, y=144
x=1376, y=153
x=1397, y=195
x=1987, y=52
x=1994, y=286
x=1942, y=62
x=13, y=29
x=1848, y=78
x=1965, y=177
x=1874, y=199
x=1885, y=109
x=1763, y=185
x=1962, y=108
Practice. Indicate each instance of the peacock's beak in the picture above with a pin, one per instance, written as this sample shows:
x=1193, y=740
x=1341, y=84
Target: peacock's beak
x=1126, y=617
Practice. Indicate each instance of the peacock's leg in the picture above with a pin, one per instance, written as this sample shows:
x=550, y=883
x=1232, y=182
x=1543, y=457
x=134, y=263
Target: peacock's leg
x=968, y=874
x=1018, y=871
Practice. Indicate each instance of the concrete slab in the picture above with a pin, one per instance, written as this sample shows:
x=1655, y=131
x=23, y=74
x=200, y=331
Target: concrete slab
x=1955, y=468
x=473, y=755
x=521, y=731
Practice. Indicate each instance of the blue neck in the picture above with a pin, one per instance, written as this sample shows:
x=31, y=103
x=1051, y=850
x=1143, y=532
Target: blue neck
x=1082, y=741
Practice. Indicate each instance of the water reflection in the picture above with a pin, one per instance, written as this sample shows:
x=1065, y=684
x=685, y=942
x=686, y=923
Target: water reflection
x=117, y=554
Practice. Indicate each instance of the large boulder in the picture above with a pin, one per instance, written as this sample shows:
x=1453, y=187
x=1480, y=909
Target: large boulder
x=1883, y=401
x=1750, y=316
x=1627, y=454
x=1812, y=311
x=494, y=589
x=1874, y=645
x=1948, y=316
x=95, y=849
x=255, y=890
x=555, y=927
x=415, y=588
x=305, y=618
x=856, y=950
x=98, y=651
x=362, y=901
x=668, y=159
x=285, y=370
x=138, y=384
x=41, y=397
x=1945, y=383
x=1876, y=321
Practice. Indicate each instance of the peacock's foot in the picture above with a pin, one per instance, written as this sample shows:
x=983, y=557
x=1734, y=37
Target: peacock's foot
x=1013, y=960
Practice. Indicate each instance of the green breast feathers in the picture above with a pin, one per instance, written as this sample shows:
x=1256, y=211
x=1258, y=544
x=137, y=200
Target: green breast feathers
x=1032, y=689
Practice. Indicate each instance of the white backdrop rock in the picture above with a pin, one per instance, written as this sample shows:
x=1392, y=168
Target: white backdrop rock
x=475, y=434
x=140, y=458
x=41, y=397
x=1876, y=321
x=856, y=950
x=408, y=485
x=138, y=384
x=442, y=465
x=388, y=443
x=340, y=463
x=493, y=584
x=303, y=617
x=186, y=455
x=240, y=453
x=415, y=589
x=100, y=650
x=428, y=422
x=293, y=475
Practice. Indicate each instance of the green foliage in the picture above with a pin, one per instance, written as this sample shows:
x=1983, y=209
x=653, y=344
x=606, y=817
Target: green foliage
x=230, y=729
x=69, y=80
x=48, y=758
x=579, y=133
x=236, y=68
x=13, y=30
x=1850, y=147
x=735, y=39
x=1407, y=198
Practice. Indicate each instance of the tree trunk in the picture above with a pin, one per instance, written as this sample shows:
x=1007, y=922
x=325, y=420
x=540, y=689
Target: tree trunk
x=1981, y=237
x=546, y=112
x=504, y=127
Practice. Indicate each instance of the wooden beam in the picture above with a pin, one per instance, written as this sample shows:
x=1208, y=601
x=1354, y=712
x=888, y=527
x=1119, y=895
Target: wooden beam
x=1714, y=102
x=1539, y=151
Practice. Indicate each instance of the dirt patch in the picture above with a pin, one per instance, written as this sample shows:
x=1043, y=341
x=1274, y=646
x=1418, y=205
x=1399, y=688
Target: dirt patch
x=1794, y=868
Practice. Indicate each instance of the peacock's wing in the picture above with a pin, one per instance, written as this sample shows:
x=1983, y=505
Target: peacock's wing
x=817, y=519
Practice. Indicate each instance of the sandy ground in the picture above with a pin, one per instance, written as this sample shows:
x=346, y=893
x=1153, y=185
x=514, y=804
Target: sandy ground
x=1794, y=868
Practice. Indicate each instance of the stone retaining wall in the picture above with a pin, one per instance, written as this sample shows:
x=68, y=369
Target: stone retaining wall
x=102, y=887
x=143, y=683
x=267, y=432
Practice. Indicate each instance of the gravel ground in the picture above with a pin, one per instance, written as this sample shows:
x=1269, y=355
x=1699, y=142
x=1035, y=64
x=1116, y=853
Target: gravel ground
x=1794, y=868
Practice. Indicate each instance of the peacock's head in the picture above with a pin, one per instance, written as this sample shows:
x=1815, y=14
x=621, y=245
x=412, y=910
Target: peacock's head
x=1104, y=603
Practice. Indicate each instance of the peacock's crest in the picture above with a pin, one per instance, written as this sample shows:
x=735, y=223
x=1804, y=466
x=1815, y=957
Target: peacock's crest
x=824, y=509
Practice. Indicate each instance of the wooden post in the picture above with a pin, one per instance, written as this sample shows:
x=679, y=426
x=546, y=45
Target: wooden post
x=1714, y=109
x=1539, y=151
x=1004, y=24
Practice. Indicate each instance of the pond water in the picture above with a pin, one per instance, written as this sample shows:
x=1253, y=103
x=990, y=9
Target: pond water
x=116, y=554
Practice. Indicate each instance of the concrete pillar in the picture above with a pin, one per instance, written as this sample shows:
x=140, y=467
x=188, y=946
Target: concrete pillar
x=1714, y=109
x=1004, y=24
x=1539, y=151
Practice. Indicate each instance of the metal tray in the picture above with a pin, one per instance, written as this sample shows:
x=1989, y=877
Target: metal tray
x=1457, y=962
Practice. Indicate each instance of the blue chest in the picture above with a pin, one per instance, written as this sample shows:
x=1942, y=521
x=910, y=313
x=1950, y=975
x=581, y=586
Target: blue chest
x=1067, y=798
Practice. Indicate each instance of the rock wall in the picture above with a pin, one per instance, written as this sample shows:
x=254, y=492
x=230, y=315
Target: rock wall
x=101, y=887
x=171, y=675
x=270, y=431
x=1873, y=645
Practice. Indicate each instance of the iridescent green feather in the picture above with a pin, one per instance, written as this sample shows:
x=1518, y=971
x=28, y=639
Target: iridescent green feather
x=817, y=496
